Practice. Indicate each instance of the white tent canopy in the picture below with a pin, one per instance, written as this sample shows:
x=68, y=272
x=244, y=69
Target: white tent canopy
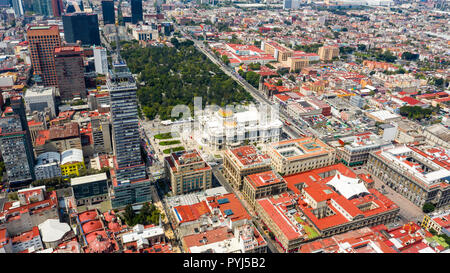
x=347, y=186
x=52, y=230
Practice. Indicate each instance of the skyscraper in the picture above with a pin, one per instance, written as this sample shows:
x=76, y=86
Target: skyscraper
x=42, y=42
x=108, y=12
x=136, y=11
x=18, y=8
x=43, y=7
x=70, y=72
x=82, y=27
x=57, y=8
x=129, y=179
x=15, y=143
x=124, y=118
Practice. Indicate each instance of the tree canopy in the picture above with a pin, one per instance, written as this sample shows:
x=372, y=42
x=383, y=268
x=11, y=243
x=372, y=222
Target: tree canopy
x=148, y=214
x=417, y=112
x=175, y=75
x=428, y=207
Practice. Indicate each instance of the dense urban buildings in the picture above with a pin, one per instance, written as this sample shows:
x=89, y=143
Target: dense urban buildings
x=323, y=127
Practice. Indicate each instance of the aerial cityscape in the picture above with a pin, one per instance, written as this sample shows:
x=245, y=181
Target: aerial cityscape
x=216, y=126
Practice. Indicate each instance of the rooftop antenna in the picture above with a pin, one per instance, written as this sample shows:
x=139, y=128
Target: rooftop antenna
x=119, y=58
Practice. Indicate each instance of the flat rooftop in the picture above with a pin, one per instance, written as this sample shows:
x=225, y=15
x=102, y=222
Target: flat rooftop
x=88, y=179
x=418, y=165
x=249, y=156
x=300, y=148
x=264, y=179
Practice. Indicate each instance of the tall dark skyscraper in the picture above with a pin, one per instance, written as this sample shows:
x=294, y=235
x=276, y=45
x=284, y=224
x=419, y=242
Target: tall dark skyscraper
x=82, y=27
x=136, y=11
x=108, y=12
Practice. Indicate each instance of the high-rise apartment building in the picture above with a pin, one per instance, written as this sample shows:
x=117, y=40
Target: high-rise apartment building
x=136, y=11
x=42, y=43
x=81, y=27
x=108, y=12
x=15, y=144
x=70, y=72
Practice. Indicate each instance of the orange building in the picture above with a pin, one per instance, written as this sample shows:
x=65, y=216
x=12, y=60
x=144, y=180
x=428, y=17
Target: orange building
x=42, y=42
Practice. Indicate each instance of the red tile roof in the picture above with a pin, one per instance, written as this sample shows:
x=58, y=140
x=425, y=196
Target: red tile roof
x=264, y=179
x=208, y=237
x=274, y=209
x=239, y=212
x=193, y=212
x=26, y=236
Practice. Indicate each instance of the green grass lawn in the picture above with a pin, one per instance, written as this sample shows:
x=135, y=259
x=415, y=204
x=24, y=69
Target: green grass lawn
x=176, y=149
x=310, y=231
x=164, y=136
x=170, y=142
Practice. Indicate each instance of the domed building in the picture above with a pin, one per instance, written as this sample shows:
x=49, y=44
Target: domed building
x=226, y=128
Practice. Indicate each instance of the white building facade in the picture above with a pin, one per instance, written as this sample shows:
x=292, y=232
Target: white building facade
x=38, y=98
x=224, y=128
x=100, y=60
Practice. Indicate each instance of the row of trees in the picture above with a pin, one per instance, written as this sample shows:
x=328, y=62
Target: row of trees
x=312, y=48
x=172, y=76
x=251, y=77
